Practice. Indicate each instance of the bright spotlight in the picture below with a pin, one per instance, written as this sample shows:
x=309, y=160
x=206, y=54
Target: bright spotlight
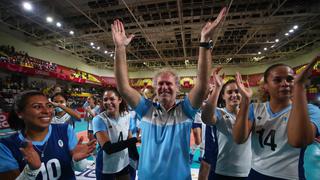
x=71, y=32
x=265, y=48
x=277, y=40
x=58, y=24
x=98, y=47
x=295, y=27
x=91, y=43
x=291, y=31
x=27, y=6
x=287, y=34
x=49, y=19
x=259, y=52
x=105, y=52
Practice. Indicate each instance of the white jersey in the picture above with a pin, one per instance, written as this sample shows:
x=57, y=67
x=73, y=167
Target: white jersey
x=60, y=120
x=203, y=135
x=233, y=159
x=197, y=118
x=272, y=155
x=88, y=117
x=118, y=130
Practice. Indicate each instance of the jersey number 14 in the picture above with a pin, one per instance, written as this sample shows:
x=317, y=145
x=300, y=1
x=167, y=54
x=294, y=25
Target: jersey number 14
x=268, y=140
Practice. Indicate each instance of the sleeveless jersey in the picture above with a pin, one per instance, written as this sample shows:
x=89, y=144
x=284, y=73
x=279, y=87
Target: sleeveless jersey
x=117, y=130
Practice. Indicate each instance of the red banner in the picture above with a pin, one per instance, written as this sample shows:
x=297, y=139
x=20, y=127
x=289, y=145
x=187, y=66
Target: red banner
x=74, y=75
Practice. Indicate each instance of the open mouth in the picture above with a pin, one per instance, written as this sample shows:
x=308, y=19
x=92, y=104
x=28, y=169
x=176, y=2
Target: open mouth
x=45, y=119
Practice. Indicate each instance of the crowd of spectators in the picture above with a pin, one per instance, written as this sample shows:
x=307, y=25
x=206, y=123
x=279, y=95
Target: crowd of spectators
x=9, y=55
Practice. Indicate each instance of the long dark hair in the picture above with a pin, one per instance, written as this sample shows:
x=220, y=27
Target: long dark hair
x=19, y=105
x=221, y=101
x=123, y=107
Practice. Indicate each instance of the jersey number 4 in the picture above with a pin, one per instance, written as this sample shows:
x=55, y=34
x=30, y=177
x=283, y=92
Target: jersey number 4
x=268, y=140
x=120, y=136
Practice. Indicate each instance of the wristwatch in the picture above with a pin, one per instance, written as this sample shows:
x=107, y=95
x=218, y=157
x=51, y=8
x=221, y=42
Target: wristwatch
x=207, y=45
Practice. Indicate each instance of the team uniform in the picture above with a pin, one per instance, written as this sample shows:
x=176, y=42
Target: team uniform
x=312, y=161
x=61, y=120
x=211, y=148
x=54, y=152
x=197, y=123
x=88, y=117
x=233, y=159
x=272, y=156
x=165, y=140
x=134, y=128
x=134, y=123
x=117, y=130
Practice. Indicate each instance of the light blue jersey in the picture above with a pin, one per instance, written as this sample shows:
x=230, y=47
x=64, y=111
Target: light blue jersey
x=272, y=155
x=165, y=140
x=233, y=159
x=134, y=123
x=312, y=161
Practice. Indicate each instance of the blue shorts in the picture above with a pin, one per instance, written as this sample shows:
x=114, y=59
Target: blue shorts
x=196, y=125
x=211, y=147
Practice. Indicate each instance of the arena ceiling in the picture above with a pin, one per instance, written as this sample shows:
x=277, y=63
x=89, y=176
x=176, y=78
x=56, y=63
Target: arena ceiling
x=167, y=31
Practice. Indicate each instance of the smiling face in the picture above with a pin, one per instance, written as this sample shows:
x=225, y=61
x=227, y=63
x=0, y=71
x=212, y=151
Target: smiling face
x=231, y=95
x=111, y=103
x=166, y=89
x=37, y=112
x=279, y=83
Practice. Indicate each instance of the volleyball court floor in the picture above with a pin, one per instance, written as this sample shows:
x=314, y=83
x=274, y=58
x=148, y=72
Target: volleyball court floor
x=89, y=173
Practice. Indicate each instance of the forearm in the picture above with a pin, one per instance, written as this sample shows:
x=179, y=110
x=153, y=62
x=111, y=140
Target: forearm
x=204, y=68
x=28, y=174
x=208, y=115
x=111, y=148
x=122, y=79
x=91, y=112
x=70, y=111
x=301, y=131
x=242, y=126
x=198, y=92
x=121, y=69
